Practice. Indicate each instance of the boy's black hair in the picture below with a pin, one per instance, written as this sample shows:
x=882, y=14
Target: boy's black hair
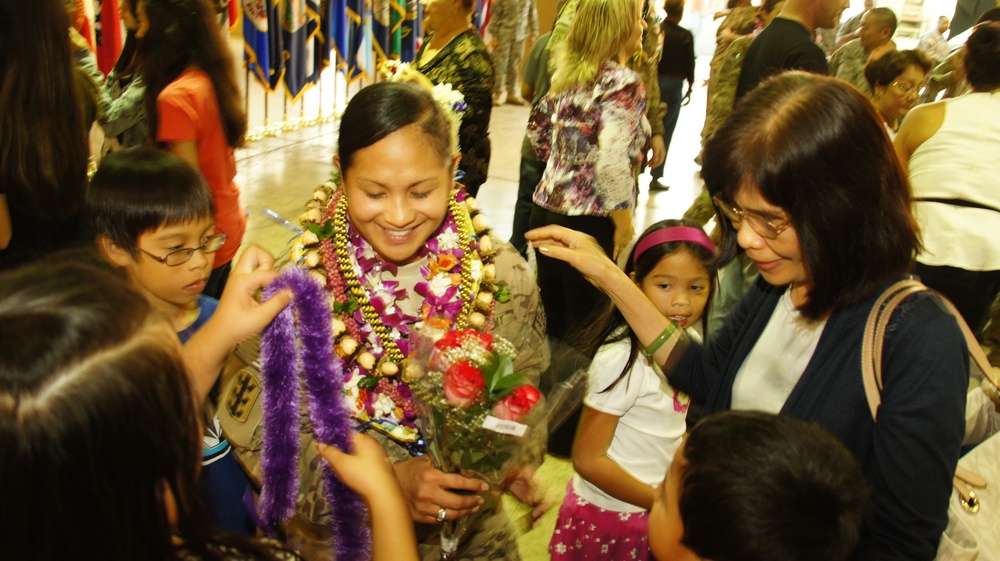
x=139, y=190
x=761, y=486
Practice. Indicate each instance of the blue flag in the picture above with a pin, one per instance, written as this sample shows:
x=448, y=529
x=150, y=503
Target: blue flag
x=412, y=30
x=299, y=24
x=262, y=48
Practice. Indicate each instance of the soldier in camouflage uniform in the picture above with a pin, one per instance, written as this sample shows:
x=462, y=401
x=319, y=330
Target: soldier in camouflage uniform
x=520, y=320
x=512, y=23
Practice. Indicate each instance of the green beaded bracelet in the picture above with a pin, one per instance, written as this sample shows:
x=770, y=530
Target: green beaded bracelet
x=655, y=345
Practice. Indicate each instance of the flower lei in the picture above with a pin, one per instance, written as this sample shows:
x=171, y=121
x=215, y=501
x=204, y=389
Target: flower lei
x=280, y=367
x=459, y=291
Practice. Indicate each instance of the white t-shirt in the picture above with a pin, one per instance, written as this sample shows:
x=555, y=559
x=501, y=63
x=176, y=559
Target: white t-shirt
x=651, y=422
x=777, y=360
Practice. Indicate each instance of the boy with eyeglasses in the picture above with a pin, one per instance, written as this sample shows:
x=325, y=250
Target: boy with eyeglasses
x=152, y=215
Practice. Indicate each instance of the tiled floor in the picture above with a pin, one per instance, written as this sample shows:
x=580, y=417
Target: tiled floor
x=279, y=173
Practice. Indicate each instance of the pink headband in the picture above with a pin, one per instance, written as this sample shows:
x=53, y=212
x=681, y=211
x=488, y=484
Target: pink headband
x=673, y=234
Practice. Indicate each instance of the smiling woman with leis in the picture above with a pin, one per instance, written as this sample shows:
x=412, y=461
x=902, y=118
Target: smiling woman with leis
x=399, y=245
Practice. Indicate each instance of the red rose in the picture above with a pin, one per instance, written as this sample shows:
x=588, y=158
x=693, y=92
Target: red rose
x=454, y=339
x=517, y=403
x=462, y=384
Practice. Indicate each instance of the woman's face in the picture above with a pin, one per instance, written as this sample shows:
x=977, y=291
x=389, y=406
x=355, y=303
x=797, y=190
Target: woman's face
x=896, y=99
x=141, y=20
x=397, y=193
x=633, y=43
x=128, y=18
x=779, y=260
x=437, y=13
x=678, y=286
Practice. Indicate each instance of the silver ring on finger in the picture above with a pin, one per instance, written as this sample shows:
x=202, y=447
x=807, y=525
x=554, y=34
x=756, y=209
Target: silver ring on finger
x=441, y=514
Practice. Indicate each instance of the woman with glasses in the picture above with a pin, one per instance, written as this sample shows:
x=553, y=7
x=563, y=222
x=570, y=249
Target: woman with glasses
x=895, y=80
x=951, y=148
x=810, y=189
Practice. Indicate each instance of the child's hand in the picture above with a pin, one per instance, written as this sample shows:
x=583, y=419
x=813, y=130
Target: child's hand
x=368, y=471
x=521, y=484
x=243, y=314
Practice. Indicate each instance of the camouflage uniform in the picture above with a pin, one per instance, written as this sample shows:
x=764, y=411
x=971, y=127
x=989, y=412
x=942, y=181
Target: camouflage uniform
x=511, y=23
x=520, y=320
x=848, y=64
x=723, y=82
x=742, y=21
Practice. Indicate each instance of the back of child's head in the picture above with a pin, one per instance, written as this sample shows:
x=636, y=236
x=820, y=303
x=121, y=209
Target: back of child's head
x=97, y=420
x=762, y=486
x=140, y=190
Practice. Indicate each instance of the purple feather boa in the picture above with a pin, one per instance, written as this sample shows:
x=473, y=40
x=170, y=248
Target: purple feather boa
x=332, y=424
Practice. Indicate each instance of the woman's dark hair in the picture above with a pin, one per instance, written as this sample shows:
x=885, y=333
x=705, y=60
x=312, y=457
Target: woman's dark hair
x=140, y=190
x=43, y=140
x=982, y=57
x=768, y=5
x=888, y=67
x=128, y=59
x=782, y=488
x=185, y=33
x=993, y=14
x=381, y=109
x=815, y=147
x=97, y=422
x=607, y=326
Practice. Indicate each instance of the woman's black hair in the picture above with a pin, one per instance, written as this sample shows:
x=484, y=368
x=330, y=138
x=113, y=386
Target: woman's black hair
x=607, y=326
x=43, y=137
x=139, y=190
x=982, y=57
x=782, y=488
x=815, y=147
x=97, y=423
x=381, y=109
x=127, y=64
x=888, y=67
x=184, y=34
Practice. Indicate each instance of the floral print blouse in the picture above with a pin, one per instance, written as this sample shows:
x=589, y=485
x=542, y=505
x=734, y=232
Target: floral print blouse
x=593, y=139
x=465, y=64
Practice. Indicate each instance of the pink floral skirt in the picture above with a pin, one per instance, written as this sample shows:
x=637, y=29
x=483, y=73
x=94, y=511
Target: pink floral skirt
x=585, y=531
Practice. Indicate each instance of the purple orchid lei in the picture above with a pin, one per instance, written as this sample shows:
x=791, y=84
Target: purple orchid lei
x=440, y=298
x=332, y=424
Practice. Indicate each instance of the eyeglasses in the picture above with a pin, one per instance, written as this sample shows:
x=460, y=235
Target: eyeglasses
x=181, y=256
x=906, y=89
x=758, y=223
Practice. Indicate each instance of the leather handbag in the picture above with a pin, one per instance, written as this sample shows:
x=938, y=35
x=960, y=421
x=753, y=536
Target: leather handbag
x=973, y=531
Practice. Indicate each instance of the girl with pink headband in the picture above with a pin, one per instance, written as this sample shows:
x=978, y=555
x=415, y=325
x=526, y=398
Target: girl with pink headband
x=633, y=420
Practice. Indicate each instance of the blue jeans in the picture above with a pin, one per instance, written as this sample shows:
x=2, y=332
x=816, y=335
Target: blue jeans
x=672, y=93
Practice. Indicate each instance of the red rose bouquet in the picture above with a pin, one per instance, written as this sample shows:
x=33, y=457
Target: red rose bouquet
x=477, y=416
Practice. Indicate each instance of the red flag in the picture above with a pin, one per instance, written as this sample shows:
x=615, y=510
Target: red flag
x=80, y=21
x=109, y=38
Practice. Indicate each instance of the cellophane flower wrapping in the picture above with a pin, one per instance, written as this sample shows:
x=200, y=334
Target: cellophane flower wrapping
x=478, y=416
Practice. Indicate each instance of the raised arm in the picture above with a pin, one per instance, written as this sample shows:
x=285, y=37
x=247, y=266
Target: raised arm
x=585, y=255
x=238, y=316
x=369, y=473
